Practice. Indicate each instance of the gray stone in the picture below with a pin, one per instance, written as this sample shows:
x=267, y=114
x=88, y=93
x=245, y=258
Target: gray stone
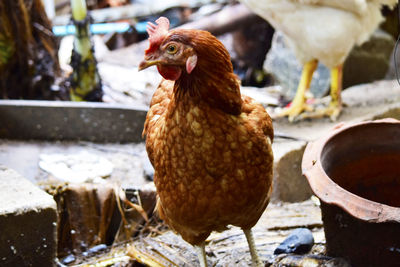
x=300, y=241
x=370, y=61
x=28, y=222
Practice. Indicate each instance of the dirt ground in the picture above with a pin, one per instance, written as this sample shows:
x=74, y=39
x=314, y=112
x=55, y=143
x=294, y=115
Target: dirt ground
x=229, y=248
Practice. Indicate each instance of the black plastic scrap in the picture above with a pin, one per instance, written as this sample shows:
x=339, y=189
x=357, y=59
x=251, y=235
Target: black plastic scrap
x=300, y=241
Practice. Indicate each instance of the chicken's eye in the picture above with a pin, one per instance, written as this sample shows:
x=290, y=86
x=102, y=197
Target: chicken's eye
x=172, y=49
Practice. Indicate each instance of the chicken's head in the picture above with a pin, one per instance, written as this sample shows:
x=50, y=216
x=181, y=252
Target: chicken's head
x=170, y=52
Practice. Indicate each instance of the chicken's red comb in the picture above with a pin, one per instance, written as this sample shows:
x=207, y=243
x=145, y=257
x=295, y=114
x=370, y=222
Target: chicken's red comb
x=157, y=33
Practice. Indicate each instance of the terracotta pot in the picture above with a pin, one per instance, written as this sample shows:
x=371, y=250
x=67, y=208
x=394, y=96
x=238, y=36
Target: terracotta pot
x=355, y=172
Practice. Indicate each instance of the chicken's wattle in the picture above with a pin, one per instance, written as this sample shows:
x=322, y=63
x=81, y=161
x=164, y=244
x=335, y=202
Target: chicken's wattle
x=169, y=72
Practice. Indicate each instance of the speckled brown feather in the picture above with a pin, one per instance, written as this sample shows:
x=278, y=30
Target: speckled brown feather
x=211, y=151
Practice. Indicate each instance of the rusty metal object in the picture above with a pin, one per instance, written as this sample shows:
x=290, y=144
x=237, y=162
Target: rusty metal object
x=355, y=171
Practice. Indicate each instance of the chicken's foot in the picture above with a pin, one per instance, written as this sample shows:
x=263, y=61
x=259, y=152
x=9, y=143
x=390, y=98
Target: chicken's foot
x=298, y=104
x=201, y=254
x=252, y=246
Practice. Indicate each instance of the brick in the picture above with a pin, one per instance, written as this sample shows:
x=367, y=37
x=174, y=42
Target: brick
x=28, y=222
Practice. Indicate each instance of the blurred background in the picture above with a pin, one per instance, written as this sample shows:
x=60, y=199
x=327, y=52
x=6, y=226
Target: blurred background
x=36, y=52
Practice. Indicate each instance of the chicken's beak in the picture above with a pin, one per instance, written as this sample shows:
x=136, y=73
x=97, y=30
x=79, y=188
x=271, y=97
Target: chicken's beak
x=147, y=63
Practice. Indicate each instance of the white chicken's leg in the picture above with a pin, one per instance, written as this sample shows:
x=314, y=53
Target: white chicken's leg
x=252, y=246
x=298, y=104
x=335, y=106
x=201, y=254
x=336, y=92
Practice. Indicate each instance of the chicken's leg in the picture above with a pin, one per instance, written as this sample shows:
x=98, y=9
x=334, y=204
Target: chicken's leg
x=298, y=104
x=252, y=246
x=201, y=254
x=335, y=106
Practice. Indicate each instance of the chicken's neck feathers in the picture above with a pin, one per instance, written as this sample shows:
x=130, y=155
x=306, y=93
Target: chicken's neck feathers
x=218, y=88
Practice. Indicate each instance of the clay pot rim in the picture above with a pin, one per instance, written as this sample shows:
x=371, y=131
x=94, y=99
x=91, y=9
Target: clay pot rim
x=331, y=193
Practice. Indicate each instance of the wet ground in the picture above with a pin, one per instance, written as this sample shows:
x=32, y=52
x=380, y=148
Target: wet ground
x=127, y=160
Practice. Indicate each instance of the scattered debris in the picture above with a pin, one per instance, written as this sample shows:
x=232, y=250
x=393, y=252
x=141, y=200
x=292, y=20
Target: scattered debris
x=309, y=261
x=69, y=259
x=228, y=248
x=94, y=216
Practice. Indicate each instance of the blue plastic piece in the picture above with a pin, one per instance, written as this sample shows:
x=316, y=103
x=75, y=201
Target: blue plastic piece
x=99, y=28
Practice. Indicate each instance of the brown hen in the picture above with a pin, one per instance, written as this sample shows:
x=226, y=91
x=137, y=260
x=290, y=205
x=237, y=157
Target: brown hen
x=210, y=146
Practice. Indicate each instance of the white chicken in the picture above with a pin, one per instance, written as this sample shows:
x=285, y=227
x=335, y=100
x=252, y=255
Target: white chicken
x=320, y=30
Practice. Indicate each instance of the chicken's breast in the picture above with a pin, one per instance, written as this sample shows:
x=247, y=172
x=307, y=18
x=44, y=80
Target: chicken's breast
x=212, y=169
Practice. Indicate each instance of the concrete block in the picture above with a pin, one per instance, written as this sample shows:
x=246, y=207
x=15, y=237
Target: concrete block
x=289, y=184
x=64, y=120
x=28, y=222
